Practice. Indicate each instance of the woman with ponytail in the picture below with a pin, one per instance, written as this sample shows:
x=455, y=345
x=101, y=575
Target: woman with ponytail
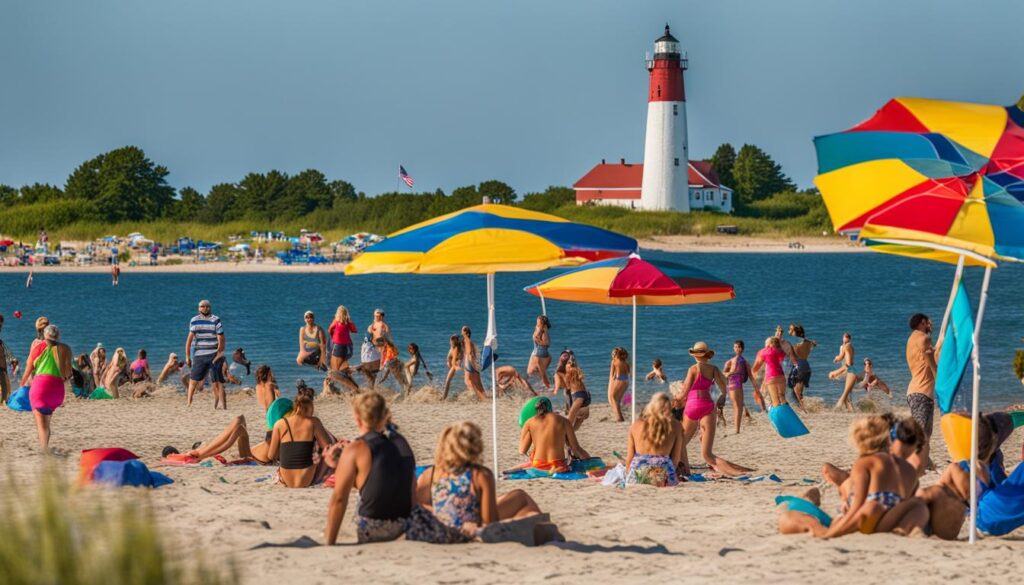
x=656, y=445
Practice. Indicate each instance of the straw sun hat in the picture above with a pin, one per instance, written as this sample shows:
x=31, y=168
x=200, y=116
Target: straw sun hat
x=701, y=349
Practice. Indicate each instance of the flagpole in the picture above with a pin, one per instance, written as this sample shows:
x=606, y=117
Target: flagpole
x=632, y=369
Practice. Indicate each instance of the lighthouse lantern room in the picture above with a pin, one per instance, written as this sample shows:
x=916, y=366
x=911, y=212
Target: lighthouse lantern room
x=665, y=184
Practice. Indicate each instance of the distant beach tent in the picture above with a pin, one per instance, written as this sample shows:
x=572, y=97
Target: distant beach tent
x=925, y=173
x=486, y=239
x=634, y=281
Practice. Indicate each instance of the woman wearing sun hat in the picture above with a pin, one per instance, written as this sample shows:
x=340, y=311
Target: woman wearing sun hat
x=696, y=408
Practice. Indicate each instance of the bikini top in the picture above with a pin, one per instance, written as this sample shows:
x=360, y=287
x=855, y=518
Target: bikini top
x=455, y=502
x=701, y=385
x=295, y=454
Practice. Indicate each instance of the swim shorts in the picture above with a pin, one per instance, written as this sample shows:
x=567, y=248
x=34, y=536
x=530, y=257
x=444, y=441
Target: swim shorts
x=203, y=364
x=922, y=409
x=582, y=395
x=798, y=376
x=342, y=350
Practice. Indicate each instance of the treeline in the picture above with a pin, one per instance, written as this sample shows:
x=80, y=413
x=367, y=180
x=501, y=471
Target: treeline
x=124, y=188
x=123, y=185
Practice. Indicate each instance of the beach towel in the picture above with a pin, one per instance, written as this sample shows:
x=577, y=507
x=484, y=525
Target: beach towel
x=573, y=471
x=1001, y=509
x=795, y=504
x=128, y=473
x=19, y=400
x=786, y=422
x=100, y=393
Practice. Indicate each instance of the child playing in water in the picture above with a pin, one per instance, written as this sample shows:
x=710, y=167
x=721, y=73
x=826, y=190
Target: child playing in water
x=656, y=372
x=618, y=381
x=737, y=372
x=391, y=365
x=139, y=368
x=415, y=362
x=844, y=359
x=509, y=377
x=872, y=381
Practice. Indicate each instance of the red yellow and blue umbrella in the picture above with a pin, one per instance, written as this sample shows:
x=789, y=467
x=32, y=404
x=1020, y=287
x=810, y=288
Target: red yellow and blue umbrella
x=634, y=281
x=485, y=239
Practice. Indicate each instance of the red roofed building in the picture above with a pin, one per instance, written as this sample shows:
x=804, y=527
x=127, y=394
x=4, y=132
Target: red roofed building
x=619, y=184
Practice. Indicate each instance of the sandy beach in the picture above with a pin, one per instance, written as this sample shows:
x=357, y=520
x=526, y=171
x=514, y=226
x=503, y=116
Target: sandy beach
x=698, y=532
x=713, y=243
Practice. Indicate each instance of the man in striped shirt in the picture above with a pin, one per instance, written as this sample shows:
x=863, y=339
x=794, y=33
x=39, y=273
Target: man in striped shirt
x=206, y=337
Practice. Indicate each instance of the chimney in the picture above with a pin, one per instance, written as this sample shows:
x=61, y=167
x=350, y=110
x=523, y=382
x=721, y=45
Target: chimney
x=622, y=161
x=602, y=161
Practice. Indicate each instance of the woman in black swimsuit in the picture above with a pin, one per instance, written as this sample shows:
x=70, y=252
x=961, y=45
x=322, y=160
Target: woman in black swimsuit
x=293, y=441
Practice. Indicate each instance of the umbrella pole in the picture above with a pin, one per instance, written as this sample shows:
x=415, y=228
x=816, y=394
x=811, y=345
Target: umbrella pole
x=494, y=377
x=976, y=355
x=543, y=309
x=952, y=295
x=632, y=369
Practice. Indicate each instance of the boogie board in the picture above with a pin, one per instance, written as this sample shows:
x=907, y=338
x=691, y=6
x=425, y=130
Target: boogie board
x=786, y=422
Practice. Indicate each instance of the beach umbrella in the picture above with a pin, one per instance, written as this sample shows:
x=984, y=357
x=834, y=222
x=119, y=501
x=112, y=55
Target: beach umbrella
x=937, y=175
x=634, y=281
x=487, y=239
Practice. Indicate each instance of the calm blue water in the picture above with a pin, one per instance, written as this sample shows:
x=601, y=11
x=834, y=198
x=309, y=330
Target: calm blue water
x=870, y=295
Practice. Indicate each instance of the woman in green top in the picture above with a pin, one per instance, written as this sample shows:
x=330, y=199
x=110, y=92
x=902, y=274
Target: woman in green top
x=48, y=370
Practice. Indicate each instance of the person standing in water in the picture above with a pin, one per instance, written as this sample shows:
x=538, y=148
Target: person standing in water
x=849, y=375
x=48, y=369
x=379, y=329
x=312, y=343
x=800, y=373
x=341, y=330
x=471, y=363
x=115, y=273
x=206, y=332
x=454, y=362
x=618, y=381
x=540, y=358
x=921, y=362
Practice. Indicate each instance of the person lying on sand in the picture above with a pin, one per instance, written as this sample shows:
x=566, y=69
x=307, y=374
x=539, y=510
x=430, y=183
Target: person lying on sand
x=460, y=490
x=549, y=434
x=878, y=498
x=236, y=433
x=656, y=447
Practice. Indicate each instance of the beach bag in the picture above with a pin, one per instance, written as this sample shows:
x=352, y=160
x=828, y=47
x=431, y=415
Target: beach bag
x=19, y=400
x=616, y=476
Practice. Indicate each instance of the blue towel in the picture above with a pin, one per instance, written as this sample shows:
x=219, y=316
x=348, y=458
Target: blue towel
x=1001, y=509
x=19, y=400
x=131, y=473
x=804, y=507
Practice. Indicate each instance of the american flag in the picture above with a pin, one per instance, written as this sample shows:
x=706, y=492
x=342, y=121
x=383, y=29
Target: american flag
x=404, y=176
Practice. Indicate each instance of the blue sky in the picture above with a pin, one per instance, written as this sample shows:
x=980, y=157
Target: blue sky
x=532, y=93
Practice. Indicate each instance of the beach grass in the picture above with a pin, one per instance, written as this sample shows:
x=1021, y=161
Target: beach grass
x=53, y=534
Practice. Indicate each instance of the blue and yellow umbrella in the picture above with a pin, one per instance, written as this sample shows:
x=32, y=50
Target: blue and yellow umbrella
x=486, y=239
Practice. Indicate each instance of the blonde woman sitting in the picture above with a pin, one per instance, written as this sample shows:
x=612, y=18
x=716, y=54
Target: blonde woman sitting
x=461, y=491
x=655, y=445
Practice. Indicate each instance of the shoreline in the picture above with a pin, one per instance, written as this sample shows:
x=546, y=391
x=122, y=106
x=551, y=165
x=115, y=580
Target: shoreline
x=701, y=244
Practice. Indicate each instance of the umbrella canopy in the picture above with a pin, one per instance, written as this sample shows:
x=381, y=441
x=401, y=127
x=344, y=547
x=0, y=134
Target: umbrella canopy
x=618, y=281
x=634, y=281
x=947, y=173
x=486, y=239
x=490, y=238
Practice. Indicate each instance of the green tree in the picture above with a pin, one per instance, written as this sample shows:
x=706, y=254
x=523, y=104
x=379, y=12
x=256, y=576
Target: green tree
x=85, y=182
x=550, y=199
x=189, y=205
x=257, y=191
x=123, y=185
x=39, y=193
x=8, y=195
x=498, y=192
x=757, y=176
x=723, y=162
x=465, y=197
x=342, y=192
x=221, y=204
x=302, y=194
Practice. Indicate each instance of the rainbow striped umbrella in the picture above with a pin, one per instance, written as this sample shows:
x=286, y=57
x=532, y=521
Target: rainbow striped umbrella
x=634, y=281
x=485, y=239
x=937, y=180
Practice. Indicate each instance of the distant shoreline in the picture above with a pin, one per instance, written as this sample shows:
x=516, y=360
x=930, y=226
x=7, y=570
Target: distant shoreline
x=701, y=244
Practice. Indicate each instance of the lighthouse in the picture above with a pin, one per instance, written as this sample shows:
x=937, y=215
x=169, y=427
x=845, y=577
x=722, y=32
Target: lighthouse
x=665, y=184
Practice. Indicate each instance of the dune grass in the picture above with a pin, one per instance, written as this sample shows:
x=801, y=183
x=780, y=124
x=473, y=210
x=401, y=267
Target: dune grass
x=50, y=534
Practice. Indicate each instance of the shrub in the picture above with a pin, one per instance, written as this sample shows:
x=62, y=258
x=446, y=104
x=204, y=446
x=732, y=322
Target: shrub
x=48, y=539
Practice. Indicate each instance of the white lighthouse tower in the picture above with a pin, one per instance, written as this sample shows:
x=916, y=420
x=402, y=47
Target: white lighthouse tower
x=666, y=159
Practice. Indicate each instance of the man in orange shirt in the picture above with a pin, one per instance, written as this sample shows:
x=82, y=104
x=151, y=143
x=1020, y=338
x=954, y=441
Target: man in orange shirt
x=921, y=391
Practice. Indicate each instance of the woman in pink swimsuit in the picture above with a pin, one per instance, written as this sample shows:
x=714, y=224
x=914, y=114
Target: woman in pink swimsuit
x=698, y=409
x=774, y=378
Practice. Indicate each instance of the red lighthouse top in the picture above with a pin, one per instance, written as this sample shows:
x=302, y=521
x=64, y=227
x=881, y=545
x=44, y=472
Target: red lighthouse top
x=666, y=70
